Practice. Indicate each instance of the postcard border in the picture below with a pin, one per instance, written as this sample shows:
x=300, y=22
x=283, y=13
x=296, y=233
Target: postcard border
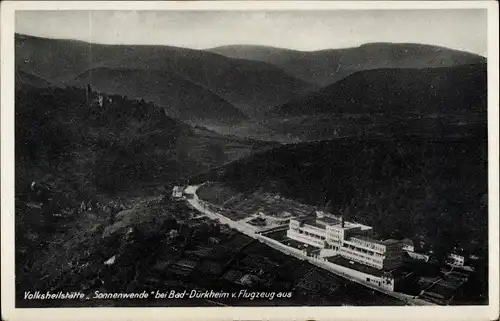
x=8, y=9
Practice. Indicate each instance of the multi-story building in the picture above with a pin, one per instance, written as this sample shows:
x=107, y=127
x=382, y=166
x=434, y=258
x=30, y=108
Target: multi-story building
x=378, y=254
x=353, y=241
x=177, y=192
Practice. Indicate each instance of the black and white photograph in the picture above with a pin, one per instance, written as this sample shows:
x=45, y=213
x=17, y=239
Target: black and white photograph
x=259, y=157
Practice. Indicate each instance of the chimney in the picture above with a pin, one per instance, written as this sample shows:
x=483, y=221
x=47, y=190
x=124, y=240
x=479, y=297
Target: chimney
x=342, y=221
x=88, y=93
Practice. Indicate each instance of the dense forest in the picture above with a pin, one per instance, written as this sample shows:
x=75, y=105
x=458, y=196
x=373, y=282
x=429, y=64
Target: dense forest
x=90, y=163
x=407, y=186
x=91, y=150
x=427, y=91
x=389, y=135
x=56, y=132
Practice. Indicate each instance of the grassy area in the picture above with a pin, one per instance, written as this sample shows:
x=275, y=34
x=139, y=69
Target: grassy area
x=216, y=193
x=251, y=203
x=278, y=236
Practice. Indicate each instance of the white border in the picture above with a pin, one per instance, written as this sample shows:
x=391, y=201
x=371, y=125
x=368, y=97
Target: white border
x=8, y=9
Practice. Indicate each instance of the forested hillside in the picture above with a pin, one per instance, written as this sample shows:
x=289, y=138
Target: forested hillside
x=407, y=186
x=89, y=164
x=324, y=67
x=427, y=91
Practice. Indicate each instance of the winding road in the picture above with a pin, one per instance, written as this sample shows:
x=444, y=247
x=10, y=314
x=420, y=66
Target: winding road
x=244, y=228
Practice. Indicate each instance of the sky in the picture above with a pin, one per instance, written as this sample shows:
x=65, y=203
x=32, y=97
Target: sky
x=463, y=29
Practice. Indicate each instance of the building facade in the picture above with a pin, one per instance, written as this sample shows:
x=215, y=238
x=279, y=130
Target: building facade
x=177, y=192
x=456, y=259
x=353, y=241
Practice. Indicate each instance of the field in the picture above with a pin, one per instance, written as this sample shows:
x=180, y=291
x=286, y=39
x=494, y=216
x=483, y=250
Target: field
x=247, y=204
x=441, y=289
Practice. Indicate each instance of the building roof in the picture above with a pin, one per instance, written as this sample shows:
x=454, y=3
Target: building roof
x=232, y=275
x=407, y=241
x=248, y=279
x=202, y=252
x=329, y=220
x=301, y=219
x=441, y=290
x=186, y=263
x=284, y=214
x=337, y=259
x=390, y=241
x=372, y=240
x=367, y=239
x=365, y=227
x=323, y=222
x=313, y=222
x=456, y=254
x=459, y=251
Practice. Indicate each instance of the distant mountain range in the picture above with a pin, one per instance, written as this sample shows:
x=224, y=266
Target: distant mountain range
x=445, y=90
x=253, y=91
x=325, y=67
x=252, y=86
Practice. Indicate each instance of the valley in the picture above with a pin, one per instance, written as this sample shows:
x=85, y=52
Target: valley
x=390, y=135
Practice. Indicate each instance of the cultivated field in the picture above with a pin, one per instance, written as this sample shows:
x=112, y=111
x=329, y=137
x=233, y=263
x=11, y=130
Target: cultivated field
x=241, y=205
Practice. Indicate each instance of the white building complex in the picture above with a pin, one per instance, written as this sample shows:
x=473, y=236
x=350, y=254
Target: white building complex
x=352, y=241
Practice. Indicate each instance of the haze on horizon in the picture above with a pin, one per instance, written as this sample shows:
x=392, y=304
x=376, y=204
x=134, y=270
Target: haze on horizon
x=464, y=29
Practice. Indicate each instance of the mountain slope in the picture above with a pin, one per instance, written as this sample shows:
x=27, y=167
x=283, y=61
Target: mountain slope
x=405, y=186
x=97, y=172
x=324, y=67
x=180, y=98
x=95, y=151
x=24, y=78
x=419, y=91
x=252, y=86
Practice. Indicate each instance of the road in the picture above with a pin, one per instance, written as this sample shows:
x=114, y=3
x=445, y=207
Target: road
x=200, y=205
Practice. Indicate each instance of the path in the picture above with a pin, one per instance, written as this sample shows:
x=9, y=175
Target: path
x=201, y=206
